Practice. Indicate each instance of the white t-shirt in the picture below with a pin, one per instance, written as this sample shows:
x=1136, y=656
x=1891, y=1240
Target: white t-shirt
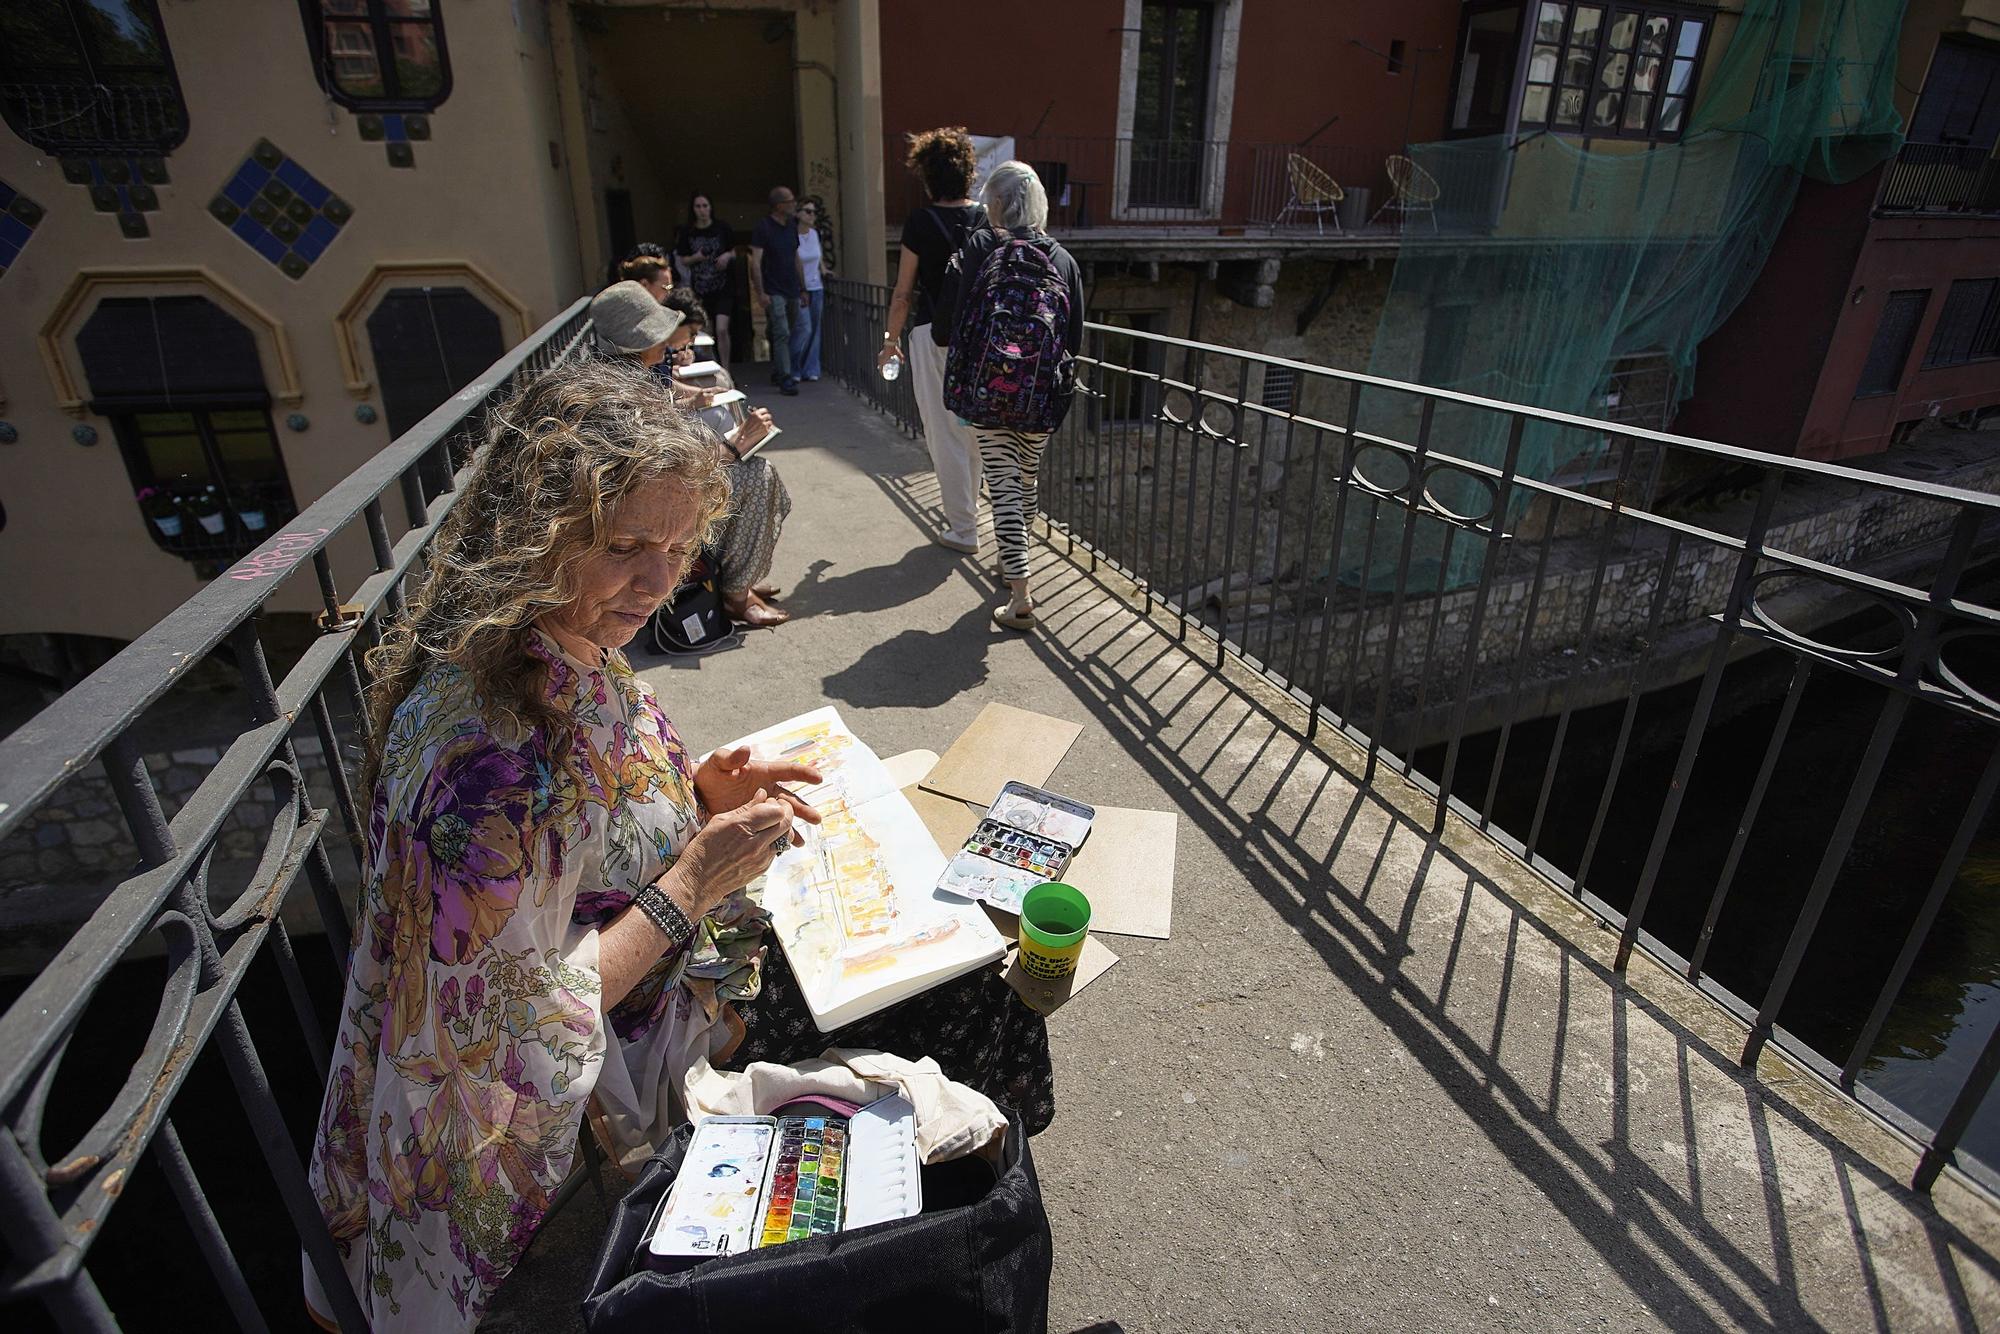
x=809, y=253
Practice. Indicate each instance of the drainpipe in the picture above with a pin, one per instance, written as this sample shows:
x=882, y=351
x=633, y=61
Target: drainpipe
x=839, y=146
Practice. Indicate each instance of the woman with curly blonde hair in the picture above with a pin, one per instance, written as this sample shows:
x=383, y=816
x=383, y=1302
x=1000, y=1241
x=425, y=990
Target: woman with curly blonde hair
x=551, y=915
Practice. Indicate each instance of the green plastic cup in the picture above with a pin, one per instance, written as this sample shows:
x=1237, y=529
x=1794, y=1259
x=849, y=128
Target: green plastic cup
x=1055, y=919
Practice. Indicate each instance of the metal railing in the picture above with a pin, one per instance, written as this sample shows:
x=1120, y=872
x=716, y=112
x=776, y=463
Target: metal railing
x=1106, y=181
x=1383, y=552
x=1941, y=178
x=53, y=1206
x=112, y=119
x=852, y=338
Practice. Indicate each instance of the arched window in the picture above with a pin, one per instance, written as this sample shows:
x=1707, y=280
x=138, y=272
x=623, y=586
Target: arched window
x=379, y=55
x=89, y=77
x=180, y=380
x=428, y=343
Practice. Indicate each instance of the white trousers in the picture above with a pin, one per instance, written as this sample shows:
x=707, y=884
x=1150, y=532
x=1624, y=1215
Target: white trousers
x=954, y=451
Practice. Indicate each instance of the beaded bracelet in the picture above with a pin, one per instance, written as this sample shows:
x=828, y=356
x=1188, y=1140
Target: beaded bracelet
x=665, y=914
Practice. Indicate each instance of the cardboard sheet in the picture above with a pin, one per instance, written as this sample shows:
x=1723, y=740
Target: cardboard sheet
x=1126, y=870
x=1048, y=997
x=910, y=767
x=950, y=820
x=1004, y=743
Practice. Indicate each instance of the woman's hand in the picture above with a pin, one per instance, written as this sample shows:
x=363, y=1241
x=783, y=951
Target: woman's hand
x=733, y=849
x=891, y=349
x=729, y=778
x=755, y=427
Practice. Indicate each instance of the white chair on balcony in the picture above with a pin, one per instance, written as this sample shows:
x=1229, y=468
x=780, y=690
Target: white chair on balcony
x=1313, y=191
x=1413, y=190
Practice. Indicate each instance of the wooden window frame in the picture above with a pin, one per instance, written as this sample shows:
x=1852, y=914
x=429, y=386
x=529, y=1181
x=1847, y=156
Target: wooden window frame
x=1601, y=54
x=1863, y=387
x=1982, y=342
x=193, y=543
x=380, y=24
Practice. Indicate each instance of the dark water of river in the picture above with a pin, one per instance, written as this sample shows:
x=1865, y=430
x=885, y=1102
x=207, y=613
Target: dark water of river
x=1952, y=1000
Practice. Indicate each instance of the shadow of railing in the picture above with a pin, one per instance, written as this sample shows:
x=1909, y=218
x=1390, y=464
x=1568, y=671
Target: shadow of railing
x=1386, y=902
x=1383, y=551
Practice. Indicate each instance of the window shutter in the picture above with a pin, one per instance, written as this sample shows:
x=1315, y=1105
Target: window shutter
x=165, y=350
x=428, y=343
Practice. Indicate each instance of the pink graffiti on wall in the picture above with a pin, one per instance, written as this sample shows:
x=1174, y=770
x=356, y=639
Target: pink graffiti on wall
x=282, y=555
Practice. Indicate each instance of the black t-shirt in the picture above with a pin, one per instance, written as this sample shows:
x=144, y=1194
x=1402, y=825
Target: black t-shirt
x=780, y=243
x=700, y=246
x=933, y=234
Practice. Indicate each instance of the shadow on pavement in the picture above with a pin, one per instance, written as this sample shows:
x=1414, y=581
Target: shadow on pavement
x=1358, y=874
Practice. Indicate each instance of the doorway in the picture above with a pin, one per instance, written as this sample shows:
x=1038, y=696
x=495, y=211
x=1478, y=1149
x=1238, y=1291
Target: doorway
x=692, y=100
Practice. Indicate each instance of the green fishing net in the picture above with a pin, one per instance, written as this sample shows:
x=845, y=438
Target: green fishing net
x=1540, y=264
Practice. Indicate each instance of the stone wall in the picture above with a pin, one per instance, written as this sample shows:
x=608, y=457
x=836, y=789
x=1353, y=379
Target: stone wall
x=75, y=849
x=1851, y=531
x=1160, y=501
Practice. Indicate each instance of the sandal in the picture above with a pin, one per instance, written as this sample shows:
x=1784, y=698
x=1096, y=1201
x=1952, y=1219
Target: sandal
x=752, y=612
x=1015, y=620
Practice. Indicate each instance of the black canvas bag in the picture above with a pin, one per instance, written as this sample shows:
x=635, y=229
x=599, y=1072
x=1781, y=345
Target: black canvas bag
x=693, y=620
x=977, y=1259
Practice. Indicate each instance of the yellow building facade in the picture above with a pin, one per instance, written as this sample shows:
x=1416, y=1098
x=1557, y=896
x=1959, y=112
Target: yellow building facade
x=243, y=245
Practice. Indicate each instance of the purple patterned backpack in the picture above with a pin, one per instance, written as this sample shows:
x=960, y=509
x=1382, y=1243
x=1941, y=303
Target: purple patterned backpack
x=1007, y=368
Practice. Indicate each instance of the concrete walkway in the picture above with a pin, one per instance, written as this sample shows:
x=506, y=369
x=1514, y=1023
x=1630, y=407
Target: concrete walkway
x=1374, y=1081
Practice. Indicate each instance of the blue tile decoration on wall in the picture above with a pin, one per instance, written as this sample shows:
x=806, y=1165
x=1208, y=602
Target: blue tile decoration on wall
x=19, y=216
x=395, y=131
x=120, y=185
x=280, y=210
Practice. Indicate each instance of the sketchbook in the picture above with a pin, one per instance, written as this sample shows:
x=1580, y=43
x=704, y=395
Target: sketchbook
x=726, y=414
x=857, y=908
x=696, y=370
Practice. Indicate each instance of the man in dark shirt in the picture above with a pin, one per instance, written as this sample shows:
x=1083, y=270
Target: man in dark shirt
x=776, y=282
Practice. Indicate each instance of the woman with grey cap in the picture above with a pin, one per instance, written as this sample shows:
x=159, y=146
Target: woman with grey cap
x=629, y=322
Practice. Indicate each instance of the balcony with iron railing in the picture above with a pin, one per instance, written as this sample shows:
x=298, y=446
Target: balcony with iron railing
x=1458, y=960
x=1107, y=191
x=114, y=118
x=1961, y=179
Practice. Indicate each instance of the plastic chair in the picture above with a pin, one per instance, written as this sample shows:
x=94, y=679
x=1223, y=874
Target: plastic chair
x=1414, y=191
x=1313, y=191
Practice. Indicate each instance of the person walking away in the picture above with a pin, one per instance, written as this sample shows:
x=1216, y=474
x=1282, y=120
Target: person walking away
x=943, y=159
x=1010, y=309
x=813, y=266
x=704, y=250
x=776, y=283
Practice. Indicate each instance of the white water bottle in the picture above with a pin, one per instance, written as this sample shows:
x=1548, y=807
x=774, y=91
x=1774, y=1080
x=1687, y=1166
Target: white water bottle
x=893, y=367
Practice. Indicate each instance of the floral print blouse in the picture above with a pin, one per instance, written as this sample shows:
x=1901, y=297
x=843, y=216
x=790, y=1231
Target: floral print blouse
x=473, y=1029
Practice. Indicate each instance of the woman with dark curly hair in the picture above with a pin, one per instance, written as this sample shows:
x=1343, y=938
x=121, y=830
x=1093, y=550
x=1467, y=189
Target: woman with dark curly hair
x=931, y=236
x=703, y=251
x=551, y=927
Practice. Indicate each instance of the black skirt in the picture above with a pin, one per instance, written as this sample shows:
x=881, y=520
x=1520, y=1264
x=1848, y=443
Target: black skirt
x=977, y=1030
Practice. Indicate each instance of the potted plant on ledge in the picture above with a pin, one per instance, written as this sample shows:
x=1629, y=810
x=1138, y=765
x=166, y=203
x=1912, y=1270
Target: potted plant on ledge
x=159, y=507
x=207, y=511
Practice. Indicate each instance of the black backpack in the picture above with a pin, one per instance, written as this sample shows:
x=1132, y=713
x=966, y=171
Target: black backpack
x=693, y=620
x=977, y=1259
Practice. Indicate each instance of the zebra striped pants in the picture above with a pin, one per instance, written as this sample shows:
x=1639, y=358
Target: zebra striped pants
x=1011, y=460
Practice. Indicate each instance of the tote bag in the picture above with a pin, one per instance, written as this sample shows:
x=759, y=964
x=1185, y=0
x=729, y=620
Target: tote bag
x=977, y=1259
